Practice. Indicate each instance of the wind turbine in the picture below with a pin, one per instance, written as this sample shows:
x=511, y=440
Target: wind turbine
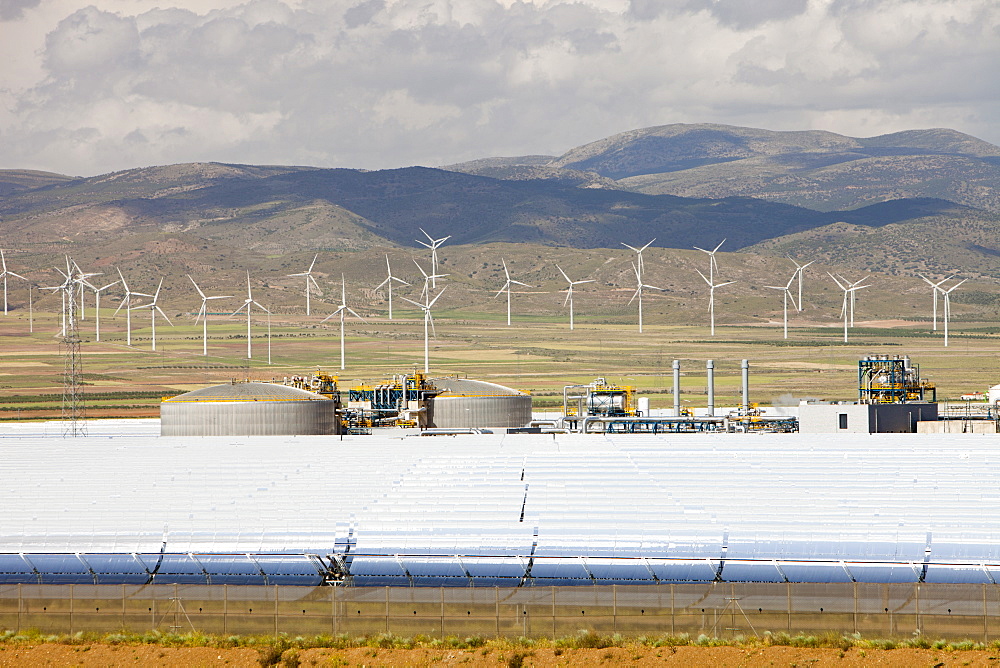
x=638, y=291
x=310, y=282
x=853, y=299
x=800, y=270
x=847, y=309
x=711, y=290
x=786, y=295
x=97, y=307
x=203, y=313
x=388, y=282
x=81, y=280
x=248, y=304
x=7, y=272
x=638, y=252
x=67, y=286
x=506, y=288
x=569, y=293
x=127, y=303
x=428, y=280
x=342, y=310
x=428, y=320
x=947, y=307
x=713, y=266
x=153, y=308
x=935, y=288
x=433, y=245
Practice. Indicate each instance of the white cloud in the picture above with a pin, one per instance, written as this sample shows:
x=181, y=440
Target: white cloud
x=385, y=83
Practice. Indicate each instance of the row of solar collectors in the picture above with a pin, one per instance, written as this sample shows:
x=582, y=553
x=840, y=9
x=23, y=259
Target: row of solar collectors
x=464, y=571
x=231, y=569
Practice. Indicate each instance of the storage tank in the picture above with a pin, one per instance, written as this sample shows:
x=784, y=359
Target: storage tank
x=248, y=409
x=464, y=403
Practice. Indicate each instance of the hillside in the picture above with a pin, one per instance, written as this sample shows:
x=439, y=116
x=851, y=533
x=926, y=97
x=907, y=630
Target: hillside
x=814, y=169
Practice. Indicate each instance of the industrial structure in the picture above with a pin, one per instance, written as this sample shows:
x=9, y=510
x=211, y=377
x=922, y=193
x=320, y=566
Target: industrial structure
x=892, y=380
x=249, y=409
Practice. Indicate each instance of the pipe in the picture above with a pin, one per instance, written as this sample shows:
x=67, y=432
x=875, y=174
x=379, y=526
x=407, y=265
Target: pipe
x=677, y=388
x=710, y=370
x=746, y=386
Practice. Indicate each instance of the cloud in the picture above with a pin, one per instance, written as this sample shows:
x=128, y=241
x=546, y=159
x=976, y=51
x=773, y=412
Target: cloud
x=11, y=10
x=386, y=83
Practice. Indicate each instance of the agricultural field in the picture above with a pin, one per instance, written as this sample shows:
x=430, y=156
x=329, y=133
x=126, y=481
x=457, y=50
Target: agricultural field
x=537, y=354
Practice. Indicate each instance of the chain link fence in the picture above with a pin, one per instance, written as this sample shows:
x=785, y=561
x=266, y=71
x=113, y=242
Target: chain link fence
x=713, y=609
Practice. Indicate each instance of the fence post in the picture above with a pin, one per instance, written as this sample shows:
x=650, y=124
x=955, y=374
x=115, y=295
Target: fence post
x=614, y=608
x=387, y=608
x=916, y=607
x=20, y=602
x=275, y=610
x=333, y=610
x=496, y=596
x=71, y=609
x=553, y=613
x=855, y=606
x=788, y=594
x=225, y=609
x=672, y=630
x=123, y=606
x=985, y=616
x=441, y=590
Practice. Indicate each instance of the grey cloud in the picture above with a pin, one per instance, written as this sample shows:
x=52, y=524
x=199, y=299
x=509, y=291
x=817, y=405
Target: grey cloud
x=744, y=15
x=363, y=13
x=11, y=10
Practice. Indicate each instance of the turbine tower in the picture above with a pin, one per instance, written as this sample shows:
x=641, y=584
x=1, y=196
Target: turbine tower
x=506, y=288
x=7, y=272
x=97, y=306
x=153, y=307
x=935, y=288
x=388, y=282
x=713, y=266
x=433, y=245
x=946, y=294
x=786, y=295
x=248, y=304
x=203, y=313
x=638, y=291
x=847, y=310
x=428, y=320
x=800, y=270
x=712, y=285
x=569, y=293
x=127, y=304
x=342, y=310
x=310, y=283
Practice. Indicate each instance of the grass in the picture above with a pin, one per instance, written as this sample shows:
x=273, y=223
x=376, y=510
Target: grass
x=274, y=649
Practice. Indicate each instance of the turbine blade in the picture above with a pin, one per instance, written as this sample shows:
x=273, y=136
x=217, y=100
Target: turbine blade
x=564, y=274
x=413, y=302
x=647, y=245
x=635, y=294
x=196, y=286
x=163, y=314
x=422, y=272
x=429, y=305
x=430, y=320
x=719, y=246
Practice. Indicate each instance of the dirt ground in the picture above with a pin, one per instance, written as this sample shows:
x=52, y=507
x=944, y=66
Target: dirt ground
x=152, y=655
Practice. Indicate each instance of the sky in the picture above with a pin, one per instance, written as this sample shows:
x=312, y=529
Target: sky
x=87, y=89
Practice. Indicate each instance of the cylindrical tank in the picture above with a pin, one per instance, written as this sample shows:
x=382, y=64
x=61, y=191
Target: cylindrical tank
x=465, y=403
x=248, y=409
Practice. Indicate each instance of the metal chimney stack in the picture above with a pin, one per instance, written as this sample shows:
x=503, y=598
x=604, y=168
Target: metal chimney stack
x=710, y=369
x=746, y=386
x=677, y=388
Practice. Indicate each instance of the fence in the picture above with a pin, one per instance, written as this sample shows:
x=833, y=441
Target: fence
x=714, y=609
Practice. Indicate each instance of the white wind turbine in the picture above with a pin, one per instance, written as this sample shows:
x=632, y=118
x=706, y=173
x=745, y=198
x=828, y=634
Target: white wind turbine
x=786, y=295
x=569, y=292
x=847, y=310
x=97, y=306
x=203, y=313
x=711, y=292
x=506, y=288
x=638, y=252
x=800, y=270
x=946, y=294
x=67, y=286
x=7, y=272
x=127, y=304
x=433, y=245
x=310, y=282
x=428, y=280
x=81, y=280
x=853, y=298
x=154, y=307
x=388, y=282
x=638, y=291
x=713, y=266
x=248, y=304
x=935, y=288
x=428, y=320
x=342, y=311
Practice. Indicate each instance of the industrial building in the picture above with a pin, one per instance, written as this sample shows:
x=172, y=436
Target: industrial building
x=248, y=409
x=496, y=509
x=465, y=403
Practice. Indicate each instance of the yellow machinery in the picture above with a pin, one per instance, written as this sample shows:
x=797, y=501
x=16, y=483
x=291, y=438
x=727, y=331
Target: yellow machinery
x=892, y=380
x=403, y=402
x=602, y=399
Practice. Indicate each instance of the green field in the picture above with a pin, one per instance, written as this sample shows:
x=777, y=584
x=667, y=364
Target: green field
x=538, y=354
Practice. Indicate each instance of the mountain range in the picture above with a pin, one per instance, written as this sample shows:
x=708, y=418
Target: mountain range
x=917, y=201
